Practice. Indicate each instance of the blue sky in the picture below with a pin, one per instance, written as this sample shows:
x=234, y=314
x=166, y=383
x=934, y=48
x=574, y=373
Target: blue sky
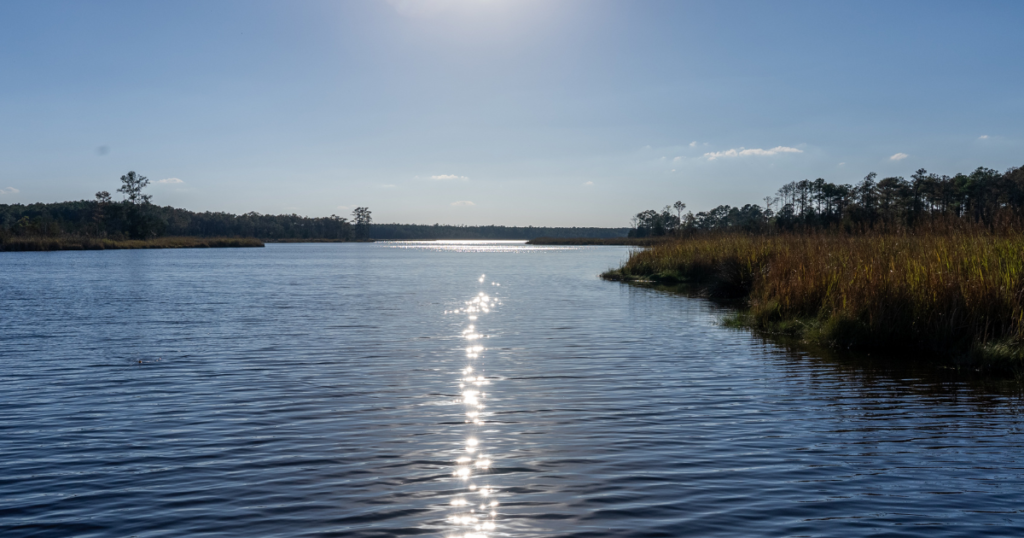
x=498, y=111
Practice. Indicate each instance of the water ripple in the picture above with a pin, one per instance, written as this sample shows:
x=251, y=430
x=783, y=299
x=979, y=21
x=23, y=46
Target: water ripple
x=315, y=390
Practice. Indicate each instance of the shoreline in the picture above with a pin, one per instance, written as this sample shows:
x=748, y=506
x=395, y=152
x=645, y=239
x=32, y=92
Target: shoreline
x=611, y=241
x=289, y=240
x=46, y=244
x=946, y=301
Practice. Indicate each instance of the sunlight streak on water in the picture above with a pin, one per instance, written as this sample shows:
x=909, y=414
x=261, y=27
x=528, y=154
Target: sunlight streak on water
x=514, y=247
x=474, y=519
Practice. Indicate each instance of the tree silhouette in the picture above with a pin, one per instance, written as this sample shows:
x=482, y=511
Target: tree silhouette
x=139, y=224
x=362, y=221
x=132, y=185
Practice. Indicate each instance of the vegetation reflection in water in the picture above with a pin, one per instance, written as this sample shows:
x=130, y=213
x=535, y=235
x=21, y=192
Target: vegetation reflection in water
x=475, y=510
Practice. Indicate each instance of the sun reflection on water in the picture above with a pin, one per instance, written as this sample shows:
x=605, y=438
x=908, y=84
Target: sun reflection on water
x=511, y=247
x=475, y=508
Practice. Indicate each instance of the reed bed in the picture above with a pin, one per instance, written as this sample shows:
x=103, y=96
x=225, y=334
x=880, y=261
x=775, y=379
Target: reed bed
x=88, y=243
x=960, y=296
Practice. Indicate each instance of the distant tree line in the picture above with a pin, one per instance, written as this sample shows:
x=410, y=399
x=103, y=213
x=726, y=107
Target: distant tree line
x=116, y=220
x=136, y=217
x=985, y=196
x=444, y=231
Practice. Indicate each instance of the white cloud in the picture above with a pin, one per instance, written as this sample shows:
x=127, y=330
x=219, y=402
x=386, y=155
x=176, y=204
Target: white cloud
x=693, y=144
x=170, y=180
x=588, y=184
x=744, y=152
x=983, y=137
x=449, y=177
x=898, y=157
x=673, y=169
x=462, y=203
x=9, y=190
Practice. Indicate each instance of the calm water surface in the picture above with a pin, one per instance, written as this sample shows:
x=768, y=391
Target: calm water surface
x=454, y=390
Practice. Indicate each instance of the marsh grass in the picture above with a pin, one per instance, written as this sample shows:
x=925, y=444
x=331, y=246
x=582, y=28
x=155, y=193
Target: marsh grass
x=958, y=295
x=86, y=243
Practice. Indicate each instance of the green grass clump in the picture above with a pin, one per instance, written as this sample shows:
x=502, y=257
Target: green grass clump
x=958, y=295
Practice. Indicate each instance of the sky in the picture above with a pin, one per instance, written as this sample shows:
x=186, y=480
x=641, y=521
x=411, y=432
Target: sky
x=513, y=112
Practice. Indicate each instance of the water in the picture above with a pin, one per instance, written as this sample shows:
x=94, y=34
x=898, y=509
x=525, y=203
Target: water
x=325, y=390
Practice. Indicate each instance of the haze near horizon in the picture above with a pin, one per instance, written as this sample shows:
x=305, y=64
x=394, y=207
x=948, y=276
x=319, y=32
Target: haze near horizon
x=505, y=112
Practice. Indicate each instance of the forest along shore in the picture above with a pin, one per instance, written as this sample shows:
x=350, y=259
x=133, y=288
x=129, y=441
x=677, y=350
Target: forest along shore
x=23, y=244
x=957, y=298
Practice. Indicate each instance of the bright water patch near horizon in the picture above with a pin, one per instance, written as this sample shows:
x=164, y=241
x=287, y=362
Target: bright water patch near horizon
x=449, y=390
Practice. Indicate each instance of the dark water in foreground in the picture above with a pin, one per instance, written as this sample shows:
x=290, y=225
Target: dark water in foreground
x=326, y=390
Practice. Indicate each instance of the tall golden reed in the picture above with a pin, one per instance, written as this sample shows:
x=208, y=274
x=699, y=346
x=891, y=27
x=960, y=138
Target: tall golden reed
x=950, y=292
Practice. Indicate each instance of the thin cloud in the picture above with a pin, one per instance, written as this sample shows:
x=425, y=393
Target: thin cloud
x=449, y=177
x=170, y=180
x=983, y=137
x=693, y=144
x=899, y=157
x=463, y=203
x=388, y=186
x=744, y=152
x=9, y=190
x=842, y=164
x=588, y=184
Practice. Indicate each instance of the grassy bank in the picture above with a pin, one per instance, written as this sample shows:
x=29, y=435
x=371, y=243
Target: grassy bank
x=85, y=243
x=628, y=241
x=958, y=297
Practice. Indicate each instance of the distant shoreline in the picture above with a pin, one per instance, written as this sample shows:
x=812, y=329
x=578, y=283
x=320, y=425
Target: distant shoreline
x=48, y=244
x=620, y=241
x=317, y=240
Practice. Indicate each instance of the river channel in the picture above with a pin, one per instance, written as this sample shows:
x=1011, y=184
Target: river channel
x=456, y=389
